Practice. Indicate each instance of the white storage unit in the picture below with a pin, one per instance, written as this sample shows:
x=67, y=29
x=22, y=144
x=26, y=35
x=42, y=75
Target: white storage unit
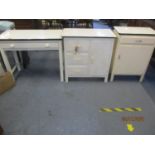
x=133, y=51
x=87, y=52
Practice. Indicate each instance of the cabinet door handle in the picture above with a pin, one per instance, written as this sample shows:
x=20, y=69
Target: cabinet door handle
x=76, y=49
x=119, y=57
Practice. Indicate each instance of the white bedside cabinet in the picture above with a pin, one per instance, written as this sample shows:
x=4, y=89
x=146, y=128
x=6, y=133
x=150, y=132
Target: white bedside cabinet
x=133, y=51
x=87, y=52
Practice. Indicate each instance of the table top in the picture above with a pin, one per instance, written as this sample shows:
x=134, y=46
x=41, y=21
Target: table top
x=73, y=32
x=78, y=32
x=31, y=35
x=134, y=30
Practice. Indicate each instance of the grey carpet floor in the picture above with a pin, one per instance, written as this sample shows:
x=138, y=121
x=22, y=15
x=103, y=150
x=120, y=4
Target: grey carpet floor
x=41, y=104
x=149, y=82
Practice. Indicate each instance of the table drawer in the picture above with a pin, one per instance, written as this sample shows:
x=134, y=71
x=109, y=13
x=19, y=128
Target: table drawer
x=29, y=45
x=137, y=40
x=77, y=70
x=77, y=59
x=76, y=45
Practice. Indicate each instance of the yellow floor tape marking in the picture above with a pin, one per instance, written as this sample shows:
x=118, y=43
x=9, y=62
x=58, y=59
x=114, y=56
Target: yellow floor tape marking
x=106, y=110
x=130, y=127
x=118, y=109
x=138, y=109
x=129, y=109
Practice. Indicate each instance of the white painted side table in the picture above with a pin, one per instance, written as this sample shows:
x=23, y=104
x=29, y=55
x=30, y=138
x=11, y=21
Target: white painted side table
x=30, y=40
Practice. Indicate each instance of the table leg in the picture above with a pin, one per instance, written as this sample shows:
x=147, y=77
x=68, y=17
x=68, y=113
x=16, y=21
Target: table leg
x=141, y=78
x=61, y=62
x=66, y=79
x=106, y=79
x=6, y=61
x=112, y=78
x=17, y=60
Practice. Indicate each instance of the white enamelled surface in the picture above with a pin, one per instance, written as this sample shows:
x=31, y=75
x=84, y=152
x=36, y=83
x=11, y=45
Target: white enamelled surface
x=134, y=30
x=30, y=34
x=88, y=33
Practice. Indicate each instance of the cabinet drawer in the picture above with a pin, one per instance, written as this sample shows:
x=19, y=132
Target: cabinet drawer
x=77, y=71
x=137, y=40
x=77, y=45
x=77, y=59
x=29, y=45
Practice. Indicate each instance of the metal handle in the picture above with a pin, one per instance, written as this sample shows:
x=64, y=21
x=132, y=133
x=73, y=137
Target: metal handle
x=12, y=45
x=119, y=57
x=77, y=70
x=46, y=45
x=76, y=49
x=91, y=60
x=138, y=41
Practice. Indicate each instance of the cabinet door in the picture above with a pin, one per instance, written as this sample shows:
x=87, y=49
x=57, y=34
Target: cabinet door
x=132, y=59
x=76, y=52
x=76, y=45
x=100, y=56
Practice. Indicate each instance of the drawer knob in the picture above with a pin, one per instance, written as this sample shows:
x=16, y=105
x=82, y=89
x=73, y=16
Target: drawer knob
x=91, y=60
x=76, y=49
x=46, y=45
x=12, y=45
x=77, y=70
x=138, y=41
x=119, y=57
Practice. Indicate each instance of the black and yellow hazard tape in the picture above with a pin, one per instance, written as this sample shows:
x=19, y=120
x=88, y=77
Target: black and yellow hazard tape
x=129, y=109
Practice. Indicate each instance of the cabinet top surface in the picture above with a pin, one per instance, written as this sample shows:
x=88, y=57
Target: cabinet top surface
x=101, y=33
x=31, y=34
x=134, y=30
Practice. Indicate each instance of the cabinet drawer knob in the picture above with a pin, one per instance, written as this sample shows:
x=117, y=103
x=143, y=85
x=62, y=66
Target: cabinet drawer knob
x=76, y=49
x=77, y=70
x=138, y=41
x=12, y=45
x=47, y=45
x=91, y=60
